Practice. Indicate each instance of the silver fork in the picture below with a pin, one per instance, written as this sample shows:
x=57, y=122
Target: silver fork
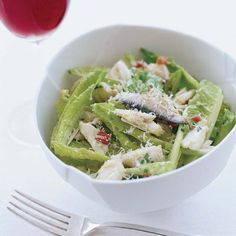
x=62, y=223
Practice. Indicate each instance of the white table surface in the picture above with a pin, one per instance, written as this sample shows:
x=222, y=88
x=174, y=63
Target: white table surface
x=210, y=212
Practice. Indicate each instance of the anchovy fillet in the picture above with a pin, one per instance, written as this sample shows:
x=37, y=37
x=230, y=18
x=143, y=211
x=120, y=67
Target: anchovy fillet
x=162, y=106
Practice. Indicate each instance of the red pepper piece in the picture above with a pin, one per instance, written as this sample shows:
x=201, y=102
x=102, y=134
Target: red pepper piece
x=103, y=141
x=139, y=64
x=196, y=119
x=161, y=60
x=104, y=134
x=103, y=137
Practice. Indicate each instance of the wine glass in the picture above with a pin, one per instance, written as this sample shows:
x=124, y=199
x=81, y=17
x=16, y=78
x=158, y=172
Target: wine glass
x=33, y=20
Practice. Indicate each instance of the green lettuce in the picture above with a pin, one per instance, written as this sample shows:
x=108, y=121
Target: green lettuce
x=141, y=81
x=224, y=124
x=206, y=103
x=181, y=79
x=148, y=56
x=61, y=103
x=149, y=169
x=78, y=101
x=80, y=158
x=129, y=59
x=175, y=153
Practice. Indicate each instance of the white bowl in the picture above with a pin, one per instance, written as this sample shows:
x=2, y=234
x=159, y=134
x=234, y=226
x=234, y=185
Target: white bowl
x=104, y=47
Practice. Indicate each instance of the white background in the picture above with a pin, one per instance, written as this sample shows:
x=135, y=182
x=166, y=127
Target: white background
x=210, y=212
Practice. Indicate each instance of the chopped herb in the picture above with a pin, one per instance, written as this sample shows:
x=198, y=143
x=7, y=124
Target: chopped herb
x=146, y=159
x=145, y=110
x=174, y=130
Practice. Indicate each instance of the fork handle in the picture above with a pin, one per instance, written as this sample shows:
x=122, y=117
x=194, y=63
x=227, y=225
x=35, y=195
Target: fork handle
x=145, y=229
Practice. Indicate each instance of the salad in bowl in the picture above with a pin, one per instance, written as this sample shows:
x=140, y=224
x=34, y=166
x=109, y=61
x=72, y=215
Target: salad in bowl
x=142, y=117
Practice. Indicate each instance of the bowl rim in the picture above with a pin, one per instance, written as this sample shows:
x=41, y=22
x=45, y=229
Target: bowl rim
x=133, y=181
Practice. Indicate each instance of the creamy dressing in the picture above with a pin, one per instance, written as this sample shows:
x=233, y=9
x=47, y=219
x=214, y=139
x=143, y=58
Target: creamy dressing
x=195, y=138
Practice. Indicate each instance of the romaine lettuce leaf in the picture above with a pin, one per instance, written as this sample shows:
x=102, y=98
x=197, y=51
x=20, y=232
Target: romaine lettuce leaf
x=181, y=79
x=186, y=159
x=206, y=103
x=176, y=148
x=148, y=56
x=172, y=65
x=78, y=101
x=150, y=169
x=61, y=103
x=224, y=124
x=129, y=59
x=80, y=157
x=141, y=81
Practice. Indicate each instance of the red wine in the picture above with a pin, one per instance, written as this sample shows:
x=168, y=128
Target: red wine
x=32, y=17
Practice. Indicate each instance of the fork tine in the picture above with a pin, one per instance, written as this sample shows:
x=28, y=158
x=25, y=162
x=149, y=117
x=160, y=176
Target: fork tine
x=36, y=223
x=42, y=204
x=39, y=216
x=43, y=210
